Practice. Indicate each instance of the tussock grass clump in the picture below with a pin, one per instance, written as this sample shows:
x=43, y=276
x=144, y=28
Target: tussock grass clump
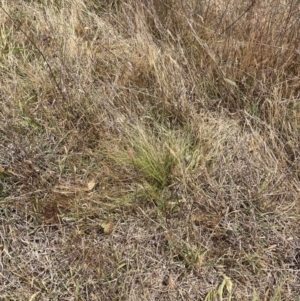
x=149, y=150
x=159, y=157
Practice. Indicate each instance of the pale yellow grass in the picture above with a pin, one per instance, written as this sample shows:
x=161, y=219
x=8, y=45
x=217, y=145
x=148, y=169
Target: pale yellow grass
x=149, y=150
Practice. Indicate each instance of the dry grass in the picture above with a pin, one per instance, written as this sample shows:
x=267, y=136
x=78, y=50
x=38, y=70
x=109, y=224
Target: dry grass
x=150, y=150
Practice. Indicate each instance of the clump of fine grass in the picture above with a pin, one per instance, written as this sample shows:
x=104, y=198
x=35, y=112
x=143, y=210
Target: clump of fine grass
x=152, y=153
x=158, y=157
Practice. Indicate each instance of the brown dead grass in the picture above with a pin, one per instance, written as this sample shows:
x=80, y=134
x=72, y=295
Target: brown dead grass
x=149, y=150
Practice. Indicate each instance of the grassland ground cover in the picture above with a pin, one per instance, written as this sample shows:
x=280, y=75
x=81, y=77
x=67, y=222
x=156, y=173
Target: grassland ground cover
x=150, y=150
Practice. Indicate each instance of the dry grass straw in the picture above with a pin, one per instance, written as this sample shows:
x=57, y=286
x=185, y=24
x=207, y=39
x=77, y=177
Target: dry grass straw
x=149, y=150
